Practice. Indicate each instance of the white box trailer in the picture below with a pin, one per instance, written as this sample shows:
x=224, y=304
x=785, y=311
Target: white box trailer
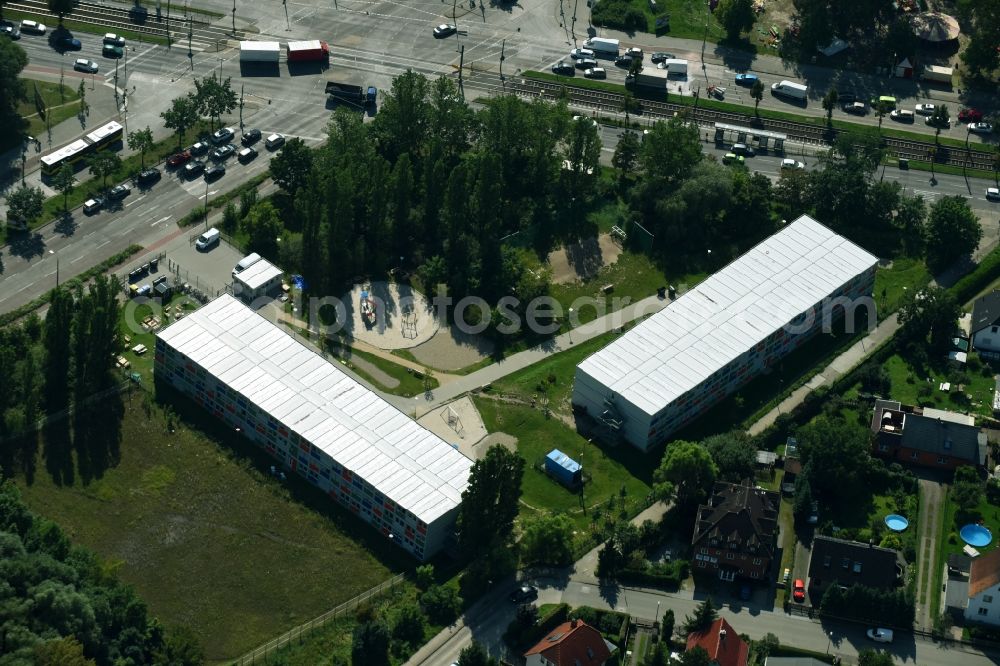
x=259, y=52
x=603, y=46
x=790, y=89
x=652, y=77
x=675, y=66
x=938, y=74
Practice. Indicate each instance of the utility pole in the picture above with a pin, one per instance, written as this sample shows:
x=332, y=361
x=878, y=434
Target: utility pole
x=234, y=18
x=116, y=80
x=190, y=51
x=503, y=45
x=461, y=66
x=284, y=3
x=241, y=107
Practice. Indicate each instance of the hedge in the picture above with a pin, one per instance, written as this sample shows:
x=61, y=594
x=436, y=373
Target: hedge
x=668, y=577
x=970, y=285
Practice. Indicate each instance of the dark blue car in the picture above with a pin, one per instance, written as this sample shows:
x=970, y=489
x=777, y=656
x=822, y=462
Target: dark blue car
x=746, y=79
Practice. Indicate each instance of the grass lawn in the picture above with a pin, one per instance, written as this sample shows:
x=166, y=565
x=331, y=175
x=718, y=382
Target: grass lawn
x=915, y=386
x=208, y=539
x=788, y=541
x=952, y=521
x=409, y=383
x=59, y=105
x=608, y=469
x=892, y=283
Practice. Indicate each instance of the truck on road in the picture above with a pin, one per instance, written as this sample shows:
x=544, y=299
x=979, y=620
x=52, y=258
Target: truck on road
x=351, y=94
x=790, y=89
x=652, y=77
x=308, y=51
x=266, y=52
x=603, y=47
x=675, y=66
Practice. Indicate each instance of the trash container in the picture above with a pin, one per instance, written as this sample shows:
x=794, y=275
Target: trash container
x=672, y=292
x=904, y=163
x=154, y=265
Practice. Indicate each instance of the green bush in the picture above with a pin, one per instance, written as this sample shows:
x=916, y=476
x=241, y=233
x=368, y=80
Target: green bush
x=520, y=636
x=620, y=15
x=970, y=285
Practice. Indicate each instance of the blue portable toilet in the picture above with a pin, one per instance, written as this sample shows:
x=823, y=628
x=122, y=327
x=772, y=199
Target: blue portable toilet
x=563, y=468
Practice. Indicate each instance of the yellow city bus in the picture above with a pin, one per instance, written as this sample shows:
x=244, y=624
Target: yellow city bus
x=76, y=153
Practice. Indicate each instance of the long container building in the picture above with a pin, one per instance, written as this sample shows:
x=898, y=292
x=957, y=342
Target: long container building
x=320, y=423
x=722, y=333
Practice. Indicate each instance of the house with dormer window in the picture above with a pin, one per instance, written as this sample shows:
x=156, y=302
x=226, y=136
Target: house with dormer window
x=573, y=643
x=735, y=532
x=848, y=563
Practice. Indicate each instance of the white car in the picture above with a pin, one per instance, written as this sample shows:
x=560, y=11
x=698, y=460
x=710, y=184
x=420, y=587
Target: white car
x=33, y=27
x=581, y=53
x=925, y=109
x=880, y=635
x=792, y=164
x=902, y=115
x=596, y=73
x=274, y=141
x=113, y=39
x=84, y=65
x=634, y=52
x=585, y=118
x=993, y=193
x=981, y=128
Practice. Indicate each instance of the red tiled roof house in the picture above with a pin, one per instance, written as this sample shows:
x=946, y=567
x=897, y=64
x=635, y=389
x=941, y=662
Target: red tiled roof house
x=722, y=643
x=573, y=643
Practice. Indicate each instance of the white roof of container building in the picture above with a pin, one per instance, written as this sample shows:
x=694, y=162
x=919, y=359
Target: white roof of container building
x=259, y=273
x=305, y=45
x=259, y=46
x=728, y=313
x=405, y=462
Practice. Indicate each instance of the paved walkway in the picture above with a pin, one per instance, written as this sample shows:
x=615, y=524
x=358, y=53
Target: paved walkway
x=932, y=494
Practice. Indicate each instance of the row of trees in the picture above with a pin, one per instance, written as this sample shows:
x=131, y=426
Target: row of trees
x=211, y=98
x=61, y=607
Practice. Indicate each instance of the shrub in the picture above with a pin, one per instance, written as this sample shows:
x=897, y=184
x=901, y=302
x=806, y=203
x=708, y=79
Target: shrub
x=442, y=603
x=618, y=14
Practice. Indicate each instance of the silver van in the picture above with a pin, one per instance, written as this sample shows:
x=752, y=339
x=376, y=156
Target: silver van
x=208, y=240
x=246, y=262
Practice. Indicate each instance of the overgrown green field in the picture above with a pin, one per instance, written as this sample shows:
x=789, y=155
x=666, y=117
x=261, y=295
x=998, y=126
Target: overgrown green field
x=209, y=539
x=61, y=102
x=922, y=385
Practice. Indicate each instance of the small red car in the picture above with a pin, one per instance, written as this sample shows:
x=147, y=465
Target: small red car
x=178, y=159
x=799, y=590
x=970, y=115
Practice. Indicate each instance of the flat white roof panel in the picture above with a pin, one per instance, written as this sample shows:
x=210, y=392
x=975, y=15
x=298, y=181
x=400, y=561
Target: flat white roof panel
x=258, y=274
x=727, y=314
x=400, y=458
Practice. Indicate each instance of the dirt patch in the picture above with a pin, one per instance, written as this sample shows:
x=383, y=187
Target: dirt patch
x=451, y=349
x=584, y=259
x=509, y=442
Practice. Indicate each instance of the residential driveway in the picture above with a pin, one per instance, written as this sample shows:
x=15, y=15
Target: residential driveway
x=932, y=496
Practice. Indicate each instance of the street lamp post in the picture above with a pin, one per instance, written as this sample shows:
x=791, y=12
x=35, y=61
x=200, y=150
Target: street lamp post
x=570, y=326
x=829, y=642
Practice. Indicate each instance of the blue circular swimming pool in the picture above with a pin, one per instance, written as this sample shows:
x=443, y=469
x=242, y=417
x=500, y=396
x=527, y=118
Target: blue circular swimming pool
x=896, y=522
x=976, y=535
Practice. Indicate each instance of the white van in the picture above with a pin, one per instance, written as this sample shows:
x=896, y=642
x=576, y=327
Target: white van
x=208, y=240
x=33, y=27
x=246, y=262
x=790, y=89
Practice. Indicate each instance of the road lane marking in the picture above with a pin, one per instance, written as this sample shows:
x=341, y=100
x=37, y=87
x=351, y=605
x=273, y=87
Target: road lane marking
x=103, y=244
x=162, y=219
x=77, y=259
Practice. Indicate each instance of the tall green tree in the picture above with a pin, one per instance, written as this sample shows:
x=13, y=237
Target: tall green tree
x=838, y=451
x=58, y=329
x=548, y=539
x=181, y=116
x=370, y=644
x=490, y=501
x=65, y=182
x=403, y=117
x=104, y=163
x=291, y=166
x=142, y=141
x=626, y=156
x=932, y=313
x=757, y=93
x=61, y=652
x=24, y=204
x=704, y=615
x=62, y=8
x=670, y=151
x=475, y=655
x=213, y=97
x=830, y=103
x=953, y=231
x=263, y=226
x=734, y=454
x=13, y=59
x=940, y=119
x=686, y=474
x=967, y=488
x=736, y=16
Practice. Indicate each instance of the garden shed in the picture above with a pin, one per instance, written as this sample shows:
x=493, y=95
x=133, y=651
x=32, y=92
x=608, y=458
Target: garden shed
x=563, y=468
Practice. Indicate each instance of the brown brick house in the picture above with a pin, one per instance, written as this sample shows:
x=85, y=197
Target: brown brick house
x=735, y=532
x=926, y=437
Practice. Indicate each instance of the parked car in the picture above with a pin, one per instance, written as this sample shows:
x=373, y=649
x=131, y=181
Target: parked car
x=563, y=67
x=933, y=122
x=596, y=73
x=581, y=53
x=84, y=65
x=69, y=43
x=799, y=591
x=746, y=79
x=970, y=115
x=215, y=171
x=902, y=115
x=113, y=39
x=925, y=109
x=524, y=593
x=445, y=30
x=148, y=176
x=857, y=108
x=33, y=27
x=593, y=122
x=743, y=149
x=246, y=155
x=660, y=56
x=586, y=63
x=193, y=168
x=199, y=148
x=119, y=192
x=250, y=137
x=223, y=152
x=91, y=206
x=794, y=165
x=981, y=128
x=274, y=141
x=733, y=158
x=993, y=193
x=880, y=635
x=223, y=135
x=177, y=159
x=634, y=52
x=112, y=51
x=623, y=61
x=10, y=30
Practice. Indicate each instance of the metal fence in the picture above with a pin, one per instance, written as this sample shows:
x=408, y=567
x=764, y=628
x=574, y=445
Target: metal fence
x=199, y=288
x=260, y=654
